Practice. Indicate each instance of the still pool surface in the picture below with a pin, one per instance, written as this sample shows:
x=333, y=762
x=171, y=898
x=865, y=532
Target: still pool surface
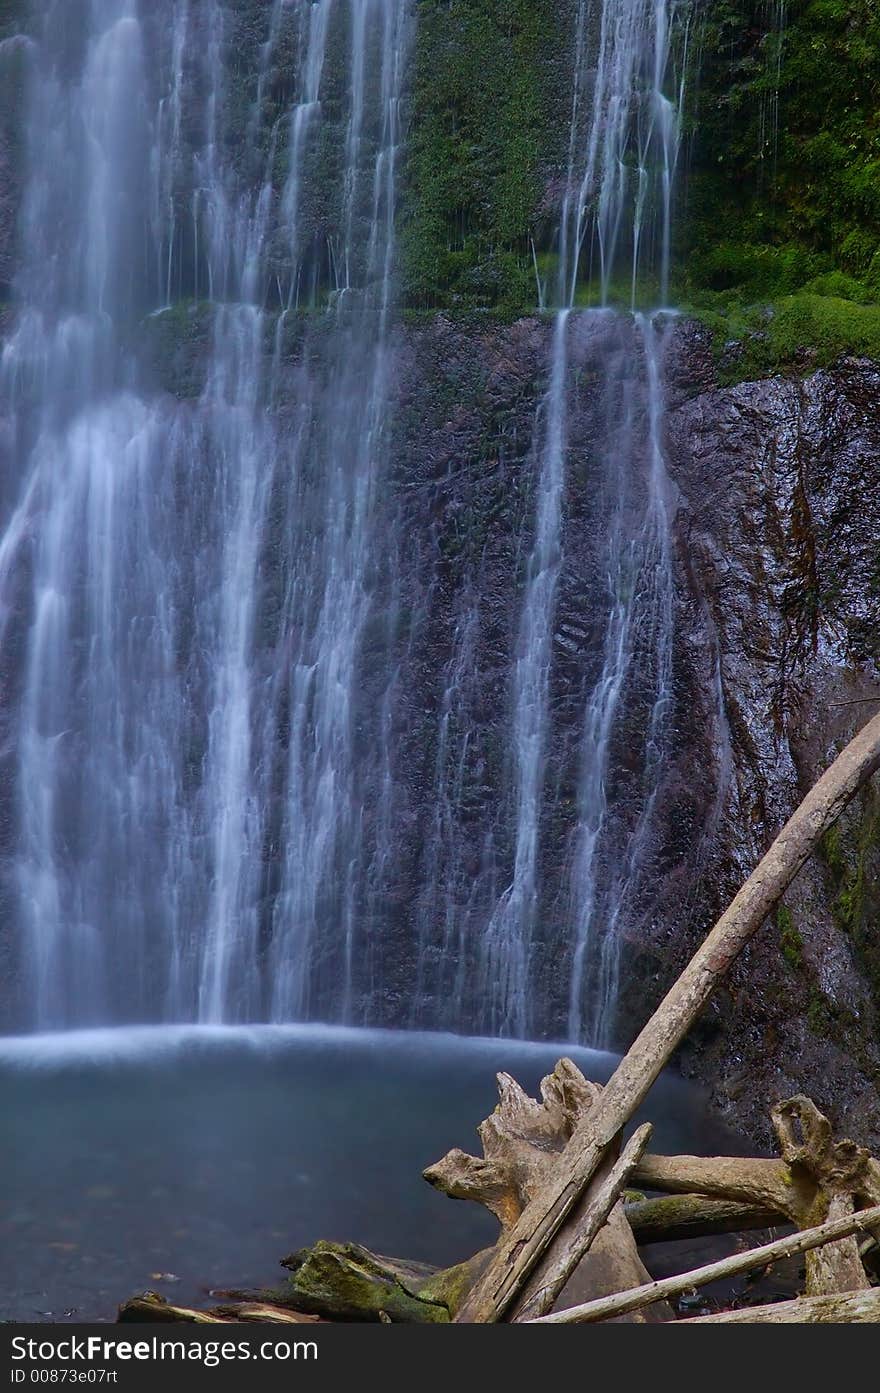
x=211, y=1153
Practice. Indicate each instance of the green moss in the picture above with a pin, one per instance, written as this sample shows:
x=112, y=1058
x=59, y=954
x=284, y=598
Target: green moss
x=853, y=860
x=486, y=123
x=818, y=1012
x=831, y=849
x=797, y=333
x=843, y=1028
x=789, y=937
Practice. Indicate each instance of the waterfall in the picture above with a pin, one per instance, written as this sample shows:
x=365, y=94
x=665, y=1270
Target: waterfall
x=186, y=573
x=616, y=214
x=253, y=765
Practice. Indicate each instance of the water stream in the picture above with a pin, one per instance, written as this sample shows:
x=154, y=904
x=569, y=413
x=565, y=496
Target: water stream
x=615, y=220
x=188, y=582
x=207, y=615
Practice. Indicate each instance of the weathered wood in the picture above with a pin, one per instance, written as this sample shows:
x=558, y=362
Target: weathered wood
x=765, y=1183
x=668, y=1287
x=826, y=1175
x=674, y=1217
x=846, y=1308
x=613, y=1263
x=837, y=1267
x=817, y=1178
x=521, y=1141
x=523, y=1246
x=155, y=1309
x=343, y=1281
x=540, y=1295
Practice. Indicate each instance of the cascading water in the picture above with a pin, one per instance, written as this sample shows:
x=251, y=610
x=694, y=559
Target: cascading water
x=220, y=671
x=186, y=583
x=616, y=209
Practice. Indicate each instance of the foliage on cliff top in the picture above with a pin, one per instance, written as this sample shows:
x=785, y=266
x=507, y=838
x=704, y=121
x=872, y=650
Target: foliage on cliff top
x=793, y=333
x=785, y=145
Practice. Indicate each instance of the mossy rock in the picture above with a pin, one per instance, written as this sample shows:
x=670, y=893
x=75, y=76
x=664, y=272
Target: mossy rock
x=343, y=1281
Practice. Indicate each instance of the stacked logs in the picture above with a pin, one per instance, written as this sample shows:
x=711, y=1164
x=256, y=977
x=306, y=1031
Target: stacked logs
x=829, y=1190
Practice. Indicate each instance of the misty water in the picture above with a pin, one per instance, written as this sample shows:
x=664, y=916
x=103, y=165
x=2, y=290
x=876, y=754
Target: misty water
x=211, y=1153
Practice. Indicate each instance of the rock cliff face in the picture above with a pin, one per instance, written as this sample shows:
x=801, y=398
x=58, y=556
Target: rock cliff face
x=777, y=610
x=778, y=537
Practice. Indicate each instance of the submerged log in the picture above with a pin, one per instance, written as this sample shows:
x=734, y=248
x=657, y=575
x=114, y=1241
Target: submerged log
x=845, y=1308
x=552, y=1215
x=153, y=1308
x=790, y=1246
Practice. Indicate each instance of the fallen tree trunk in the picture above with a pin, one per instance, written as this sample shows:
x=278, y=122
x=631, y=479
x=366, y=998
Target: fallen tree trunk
x=744, y=1180
x=693, y=1216
x=845, y=1308
x=795, y=1243
x=155, y=1309
x=553, y=1215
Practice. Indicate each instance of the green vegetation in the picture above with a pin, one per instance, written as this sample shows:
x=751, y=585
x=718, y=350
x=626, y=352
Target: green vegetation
x=853, y=858
x=782, y=150
x=487, y=118
x=789, y=937
x=803, y=331
x=784, y=133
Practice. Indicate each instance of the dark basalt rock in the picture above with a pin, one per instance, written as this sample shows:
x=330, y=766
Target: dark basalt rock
x=777, y=601
x=779, y=525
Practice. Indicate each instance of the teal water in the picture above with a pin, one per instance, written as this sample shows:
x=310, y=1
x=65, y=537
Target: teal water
x=209, y=1154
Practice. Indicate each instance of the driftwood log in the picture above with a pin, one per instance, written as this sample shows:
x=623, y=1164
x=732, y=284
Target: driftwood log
x=553, y=1217
x=828, y=1233
x=343, y=1281
x=818, y=1178
x=152, y=1308
x=694, y=1216
x=522, y=1141
x=847, y=1308
x=334, y=1282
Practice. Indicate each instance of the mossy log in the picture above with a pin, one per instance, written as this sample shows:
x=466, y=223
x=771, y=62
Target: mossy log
x=343, y=1281
x=673, y=1217
x=152, y=1308
x=334, y=1282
